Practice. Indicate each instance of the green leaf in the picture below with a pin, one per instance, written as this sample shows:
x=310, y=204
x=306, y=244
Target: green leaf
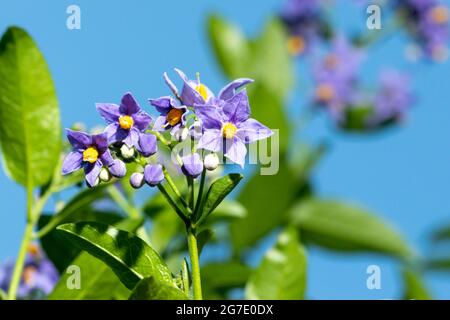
x=438, y=264
x=414, y=287
x=441, y=234
x=126, y=254
x=225, y=275
x=271, y=61
x=59, y=249
x=98, y=281
x=153, y=289
x=282, y=272
x=30, y=130
x=217, y=192
x=230, y=46
x=266, y=199
x=341, y=226
x=228, y=210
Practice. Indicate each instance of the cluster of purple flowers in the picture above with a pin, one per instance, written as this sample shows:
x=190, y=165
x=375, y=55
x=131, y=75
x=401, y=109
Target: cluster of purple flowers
x=38, y=278
x=304, y=23
x=338, y=89
x=215, y=124
x=428, y=22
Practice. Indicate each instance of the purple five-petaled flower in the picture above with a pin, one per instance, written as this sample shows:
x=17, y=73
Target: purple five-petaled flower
x=229, y=128
x=91, y=153
x=172, y=115
x=127, y=123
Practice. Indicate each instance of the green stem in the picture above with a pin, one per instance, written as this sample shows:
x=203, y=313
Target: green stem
x=190, y=183
x=193, y=256
x=18, y=268
x=122, y=202
x=173, y=186
x=200, y=194
x=173, y=203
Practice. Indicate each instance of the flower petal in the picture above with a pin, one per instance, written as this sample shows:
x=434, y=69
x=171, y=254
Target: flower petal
x=160, y=124
x=129, y=105
x=100, y=141
x=230, y=89
x=79, y=140
x=211, y=140
x=252, y=130
x=142, y=120
x=209, y=116
x=236, y=151
x=72, y=162
x=118, y=168
x=111, y=132
x=163, y=104
x=147, y=144
x=109, y=111
x=189, y=96
x=107, y=158
x=169, y=82
x=92, y=172
x=237, y=109
x=132, y=139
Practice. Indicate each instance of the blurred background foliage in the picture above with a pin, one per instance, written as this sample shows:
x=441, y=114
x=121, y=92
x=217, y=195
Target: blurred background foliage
x=277, y=218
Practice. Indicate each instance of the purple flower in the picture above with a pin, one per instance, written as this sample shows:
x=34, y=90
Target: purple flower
x=195, y=93
x=89, y=152
x=171, y=114
x=336, y=76
x=228, y=129
x=153, y=174
x=394, y=96
x=38, y=278
x=304, y=24
x=427, y=21
x=192, y=165
x=127, y=123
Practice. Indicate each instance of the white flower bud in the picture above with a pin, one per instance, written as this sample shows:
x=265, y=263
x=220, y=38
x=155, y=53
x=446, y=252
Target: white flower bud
x=211, y=161
x=126, y=152
x=181, y=134
x=137, y=180
x=104, y=175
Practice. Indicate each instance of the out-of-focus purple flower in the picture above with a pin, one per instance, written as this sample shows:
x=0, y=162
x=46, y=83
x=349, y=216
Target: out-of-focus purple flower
x=393, y=98
x=192, y=165
x=304, y=24
x=228, y=129
x=89, y=152
x=38, y=278
x=428, y=22
x=153, y=174
x=335, y=76
x=127, y=123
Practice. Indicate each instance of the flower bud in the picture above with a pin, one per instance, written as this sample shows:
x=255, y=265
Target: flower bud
x=137, y=180
x=211, y=161
x=126, y=152
x=104, y=175
x=195, y=131
x=118, y=168
x=192, y=165
x=153, y=174
x=181, y=134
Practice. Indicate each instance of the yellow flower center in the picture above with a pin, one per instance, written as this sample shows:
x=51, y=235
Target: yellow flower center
x=33, y=249
x=331, y=61
x=296, y=45
x=229, y=130
x=200, y=88
x=439, y=14
x=28, y=274
x=126, y=122
x=90, y=155
x=324, y=92
x=173, y=117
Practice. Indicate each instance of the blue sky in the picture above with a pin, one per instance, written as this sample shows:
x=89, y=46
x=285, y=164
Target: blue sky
x=402, y=174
